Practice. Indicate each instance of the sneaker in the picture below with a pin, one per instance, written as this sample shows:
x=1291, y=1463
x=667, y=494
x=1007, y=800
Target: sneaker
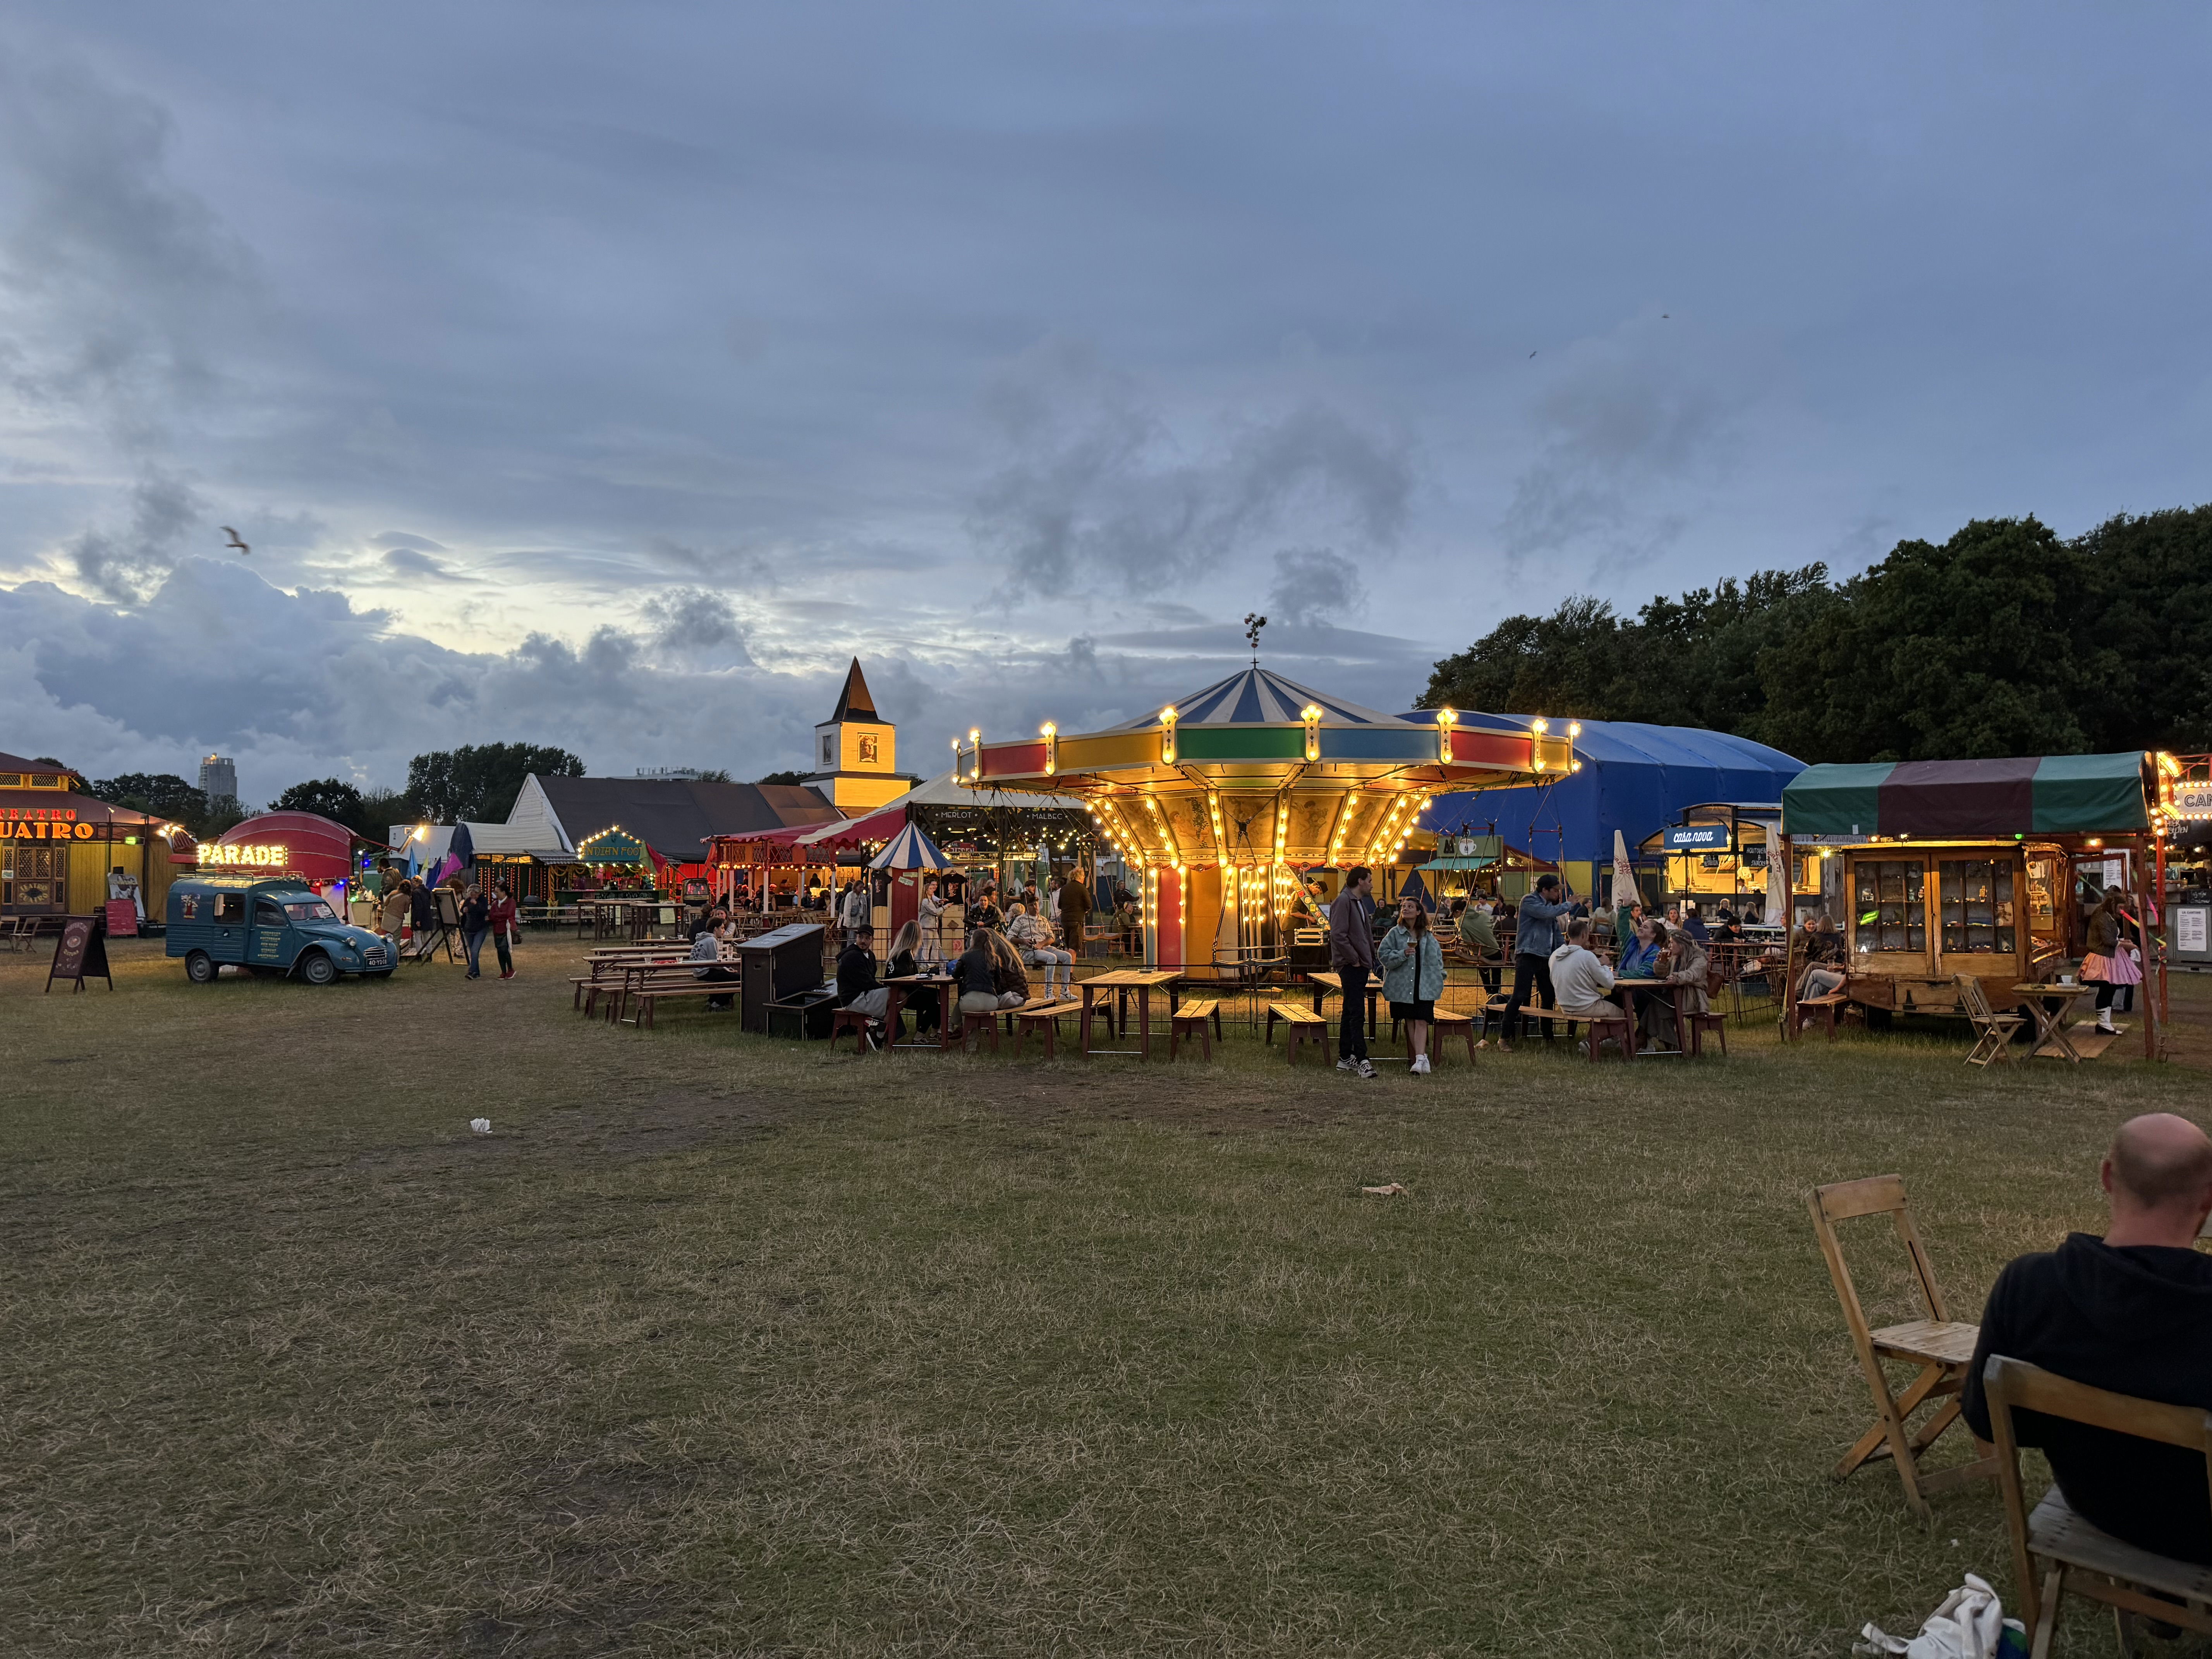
x=1365, y=1069
x=1420, y=1064
x=1347, y=1064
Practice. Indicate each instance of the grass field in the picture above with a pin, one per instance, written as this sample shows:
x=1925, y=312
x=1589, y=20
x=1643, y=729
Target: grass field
x=718, y=1346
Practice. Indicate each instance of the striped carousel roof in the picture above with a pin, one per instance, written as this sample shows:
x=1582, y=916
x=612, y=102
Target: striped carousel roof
x=1256, y=696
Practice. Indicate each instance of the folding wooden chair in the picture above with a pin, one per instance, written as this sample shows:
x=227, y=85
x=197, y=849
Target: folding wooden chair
x=1993, y=1031
x=2071, y=1554
x=1942, y=1348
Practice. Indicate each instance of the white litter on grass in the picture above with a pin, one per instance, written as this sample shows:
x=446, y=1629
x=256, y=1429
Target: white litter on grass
x=1970, y=1624
x=1393, y=1190
x=481, y=1125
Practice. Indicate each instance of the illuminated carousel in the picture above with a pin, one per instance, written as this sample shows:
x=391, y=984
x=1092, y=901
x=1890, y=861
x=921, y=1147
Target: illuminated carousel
x=1222, y=798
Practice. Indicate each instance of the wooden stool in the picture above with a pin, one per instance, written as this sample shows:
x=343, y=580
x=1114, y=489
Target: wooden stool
x=1446, y=1023
x=1618, y=1026
x=1042, y=1015
x=1202, y=1018
x=1305, y=1026
x=1709, y=1021
x=842, y=1020
x=971, y=1024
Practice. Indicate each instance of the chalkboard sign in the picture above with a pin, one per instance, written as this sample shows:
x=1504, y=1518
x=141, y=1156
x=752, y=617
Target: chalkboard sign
x=80, y=952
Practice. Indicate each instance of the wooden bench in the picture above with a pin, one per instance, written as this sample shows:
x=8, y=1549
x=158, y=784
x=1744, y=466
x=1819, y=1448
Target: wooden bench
x=1451, y=1023
x=648, y=995
x=1305, y=1026
x=1828, y=1007
x=1200, y=1019
x=1042, y=1015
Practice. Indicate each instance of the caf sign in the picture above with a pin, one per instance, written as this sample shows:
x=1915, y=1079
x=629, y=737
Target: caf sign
x=271, y=856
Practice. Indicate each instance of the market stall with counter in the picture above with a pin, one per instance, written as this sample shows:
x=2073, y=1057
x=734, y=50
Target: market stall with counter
x=1978, y=869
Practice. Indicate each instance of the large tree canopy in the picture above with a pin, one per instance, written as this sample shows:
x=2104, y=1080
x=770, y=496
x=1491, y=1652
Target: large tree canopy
x=479, y=781
x=2005, y=640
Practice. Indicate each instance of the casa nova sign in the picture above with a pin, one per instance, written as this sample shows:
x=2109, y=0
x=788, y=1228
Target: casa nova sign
x=273, y=856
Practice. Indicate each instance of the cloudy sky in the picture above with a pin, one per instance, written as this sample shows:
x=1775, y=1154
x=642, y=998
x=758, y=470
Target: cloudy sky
x=607, y=375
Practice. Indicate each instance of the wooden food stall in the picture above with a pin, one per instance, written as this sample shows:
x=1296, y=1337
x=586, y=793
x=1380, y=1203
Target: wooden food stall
x=1973, y=868
x=60, y=846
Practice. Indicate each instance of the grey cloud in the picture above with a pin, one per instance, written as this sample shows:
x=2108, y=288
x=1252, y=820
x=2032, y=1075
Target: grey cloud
x=698, y=624
x=124, y=294
x=1103, y=492
x=1313, y=585
x=405, y=562
x=1629, y=424
x=121, y=565
x=403, y=538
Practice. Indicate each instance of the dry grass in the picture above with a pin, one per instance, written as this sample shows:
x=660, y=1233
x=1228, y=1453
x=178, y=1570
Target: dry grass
x=720, y=1346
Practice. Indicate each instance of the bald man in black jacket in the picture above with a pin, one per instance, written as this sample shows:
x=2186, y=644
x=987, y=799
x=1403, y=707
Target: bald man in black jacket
x=2130, y=1312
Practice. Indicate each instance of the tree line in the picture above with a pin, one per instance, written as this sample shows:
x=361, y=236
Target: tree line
x=2008, y=639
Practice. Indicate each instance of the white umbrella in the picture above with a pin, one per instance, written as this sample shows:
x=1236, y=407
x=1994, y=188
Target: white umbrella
x=1624, y=875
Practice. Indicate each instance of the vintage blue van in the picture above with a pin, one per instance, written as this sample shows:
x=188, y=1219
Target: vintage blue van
x=268, y=925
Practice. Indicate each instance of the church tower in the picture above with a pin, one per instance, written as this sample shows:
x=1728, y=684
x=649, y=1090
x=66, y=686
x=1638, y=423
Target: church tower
x=856, y=752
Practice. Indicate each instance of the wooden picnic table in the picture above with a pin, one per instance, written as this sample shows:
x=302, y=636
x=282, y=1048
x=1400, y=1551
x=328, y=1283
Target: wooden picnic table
x=1681, y=1016
x=948, y=1008
x=1324, y=983
x=1122, y=980
x=2051, y=1006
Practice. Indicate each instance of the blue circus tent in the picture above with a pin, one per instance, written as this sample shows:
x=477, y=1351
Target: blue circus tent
x=1637, y=778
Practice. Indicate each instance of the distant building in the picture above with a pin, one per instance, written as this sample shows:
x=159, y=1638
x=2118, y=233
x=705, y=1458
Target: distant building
x=856, y=752
x=219, y=778
x=669, y=774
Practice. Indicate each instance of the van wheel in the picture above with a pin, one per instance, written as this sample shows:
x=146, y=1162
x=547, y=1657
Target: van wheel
x=318, y=969
x=199, y=968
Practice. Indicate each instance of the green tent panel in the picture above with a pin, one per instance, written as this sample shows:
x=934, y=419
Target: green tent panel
x=2088, y=794
x=2052, y=795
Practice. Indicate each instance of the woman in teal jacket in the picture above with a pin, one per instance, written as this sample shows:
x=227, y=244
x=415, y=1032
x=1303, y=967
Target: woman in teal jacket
x=1412, y=976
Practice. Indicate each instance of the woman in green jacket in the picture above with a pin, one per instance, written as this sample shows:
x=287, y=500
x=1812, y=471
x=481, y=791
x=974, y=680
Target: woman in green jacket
x=1412, y=976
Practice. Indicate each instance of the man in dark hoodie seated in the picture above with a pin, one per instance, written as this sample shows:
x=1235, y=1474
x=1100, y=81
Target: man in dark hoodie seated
x=2130, y=1312
x=856, y=983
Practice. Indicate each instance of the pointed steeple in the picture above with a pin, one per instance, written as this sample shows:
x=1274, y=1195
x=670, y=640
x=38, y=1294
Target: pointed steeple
x=854, y=703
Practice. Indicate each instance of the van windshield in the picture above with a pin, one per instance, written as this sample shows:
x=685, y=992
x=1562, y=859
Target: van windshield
x=310, y=910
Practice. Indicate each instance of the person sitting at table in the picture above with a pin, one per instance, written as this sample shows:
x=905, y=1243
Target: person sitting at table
x=1582, y=986
x=1683, y=963
x=1478, y=933
x=856, y=983
x=1033, y=936
x=705, y=962
x=985, y=912
x=906, y=961
x=1008, y=976
x=1694, y=924
x=1639, y=959
x=2126, y=1312
x=976, y=974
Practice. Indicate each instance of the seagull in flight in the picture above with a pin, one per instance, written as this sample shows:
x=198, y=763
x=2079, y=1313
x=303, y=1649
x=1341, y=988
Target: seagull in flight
x=235, y=541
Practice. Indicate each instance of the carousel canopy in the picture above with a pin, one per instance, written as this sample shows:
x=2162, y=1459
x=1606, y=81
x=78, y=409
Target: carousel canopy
x=2049, y=794
x=910, y=850
x=1259, y=769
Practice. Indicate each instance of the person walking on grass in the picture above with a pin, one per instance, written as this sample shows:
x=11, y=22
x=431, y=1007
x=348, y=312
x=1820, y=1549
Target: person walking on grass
x=1536, y=936
x=502, y=915
x=1352, y=953
x=476, y=922
x=1413, y=977
x=1074, y=914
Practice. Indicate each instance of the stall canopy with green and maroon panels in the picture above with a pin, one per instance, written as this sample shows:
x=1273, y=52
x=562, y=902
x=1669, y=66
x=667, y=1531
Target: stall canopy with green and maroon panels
x=2048, y=795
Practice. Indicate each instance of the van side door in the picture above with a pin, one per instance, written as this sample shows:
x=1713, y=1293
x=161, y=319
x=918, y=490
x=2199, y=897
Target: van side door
x=227, y=935
x=270, y=926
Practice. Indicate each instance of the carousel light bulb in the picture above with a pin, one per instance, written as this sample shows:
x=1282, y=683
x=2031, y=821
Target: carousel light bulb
x=1574, y=728
x=1539, y=725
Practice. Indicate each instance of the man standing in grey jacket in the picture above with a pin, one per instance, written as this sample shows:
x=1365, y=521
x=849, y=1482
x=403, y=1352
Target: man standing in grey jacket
x=1352, y=953
x=1536, y=936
